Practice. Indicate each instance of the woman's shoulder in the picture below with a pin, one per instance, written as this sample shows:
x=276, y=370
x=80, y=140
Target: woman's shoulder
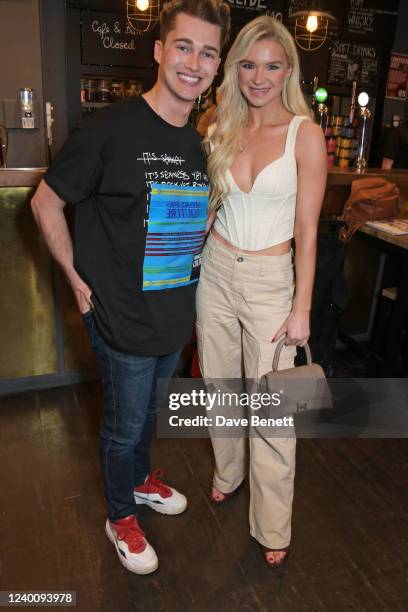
x=302, y=119
x=308, y=127
x=310, y=137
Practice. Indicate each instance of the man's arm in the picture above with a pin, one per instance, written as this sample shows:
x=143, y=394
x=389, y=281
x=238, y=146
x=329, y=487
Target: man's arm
x=387, y=163
x=390, y=149
x=48, y=212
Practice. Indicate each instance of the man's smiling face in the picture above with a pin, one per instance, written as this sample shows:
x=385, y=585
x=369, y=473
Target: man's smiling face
x=189, y=57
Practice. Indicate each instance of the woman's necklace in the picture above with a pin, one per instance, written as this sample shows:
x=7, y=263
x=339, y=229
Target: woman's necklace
x=244, y=145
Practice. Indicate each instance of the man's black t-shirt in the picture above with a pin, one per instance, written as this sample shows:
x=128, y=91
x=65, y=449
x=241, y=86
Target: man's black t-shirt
x=396, y=146
x=141, y=192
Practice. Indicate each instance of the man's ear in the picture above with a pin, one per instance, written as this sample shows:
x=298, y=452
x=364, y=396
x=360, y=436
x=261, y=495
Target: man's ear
x=158, y=48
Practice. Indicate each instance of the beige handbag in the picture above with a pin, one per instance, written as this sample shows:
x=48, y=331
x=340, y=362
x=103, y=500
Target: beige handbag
x=303, y=388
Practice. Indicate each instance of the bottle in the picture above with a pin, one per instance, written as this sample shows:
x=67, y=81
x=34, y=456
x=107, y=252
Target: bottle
x=103, y=92
x=132, y=89
x=83, y=91
x=396, y=120
x=116, y=91
x=90, y=90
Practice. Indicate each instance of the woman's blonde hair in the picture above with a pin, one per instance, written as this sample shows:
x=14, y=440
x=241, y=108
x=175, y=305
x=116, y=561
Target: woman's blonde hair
x=232, y=111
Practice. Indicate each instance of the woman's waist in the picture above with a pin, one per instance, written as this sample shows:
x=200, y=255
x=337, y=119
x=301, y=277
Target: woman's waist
x=256, y=230
x=281, y=248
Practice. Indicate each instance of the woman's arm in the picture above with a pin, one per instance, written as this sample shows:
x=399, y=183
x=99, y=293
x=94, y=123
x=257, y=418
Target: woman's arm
x=311, y=160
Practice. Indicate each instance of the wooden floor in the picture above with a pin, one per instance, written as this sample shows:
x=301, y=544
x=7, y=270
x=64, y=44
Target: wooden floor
x=350, y=525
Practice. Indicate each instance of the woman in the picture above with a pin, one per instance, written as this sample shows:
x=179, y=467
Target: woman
x=268, y=171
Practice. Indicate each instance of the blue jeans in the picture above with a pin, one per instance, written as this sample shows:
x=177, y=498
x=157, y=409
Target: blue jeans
x=130, y=408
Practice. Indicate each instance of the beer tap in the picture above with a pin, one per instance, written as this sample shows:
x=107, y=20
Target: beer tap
x=321, y=97
x=353, y=101
x=315, y=83
x=365, y=114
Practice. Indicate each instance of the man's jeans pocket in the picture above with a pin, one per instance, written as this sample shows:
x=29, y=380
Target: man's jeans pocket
x=89, y=322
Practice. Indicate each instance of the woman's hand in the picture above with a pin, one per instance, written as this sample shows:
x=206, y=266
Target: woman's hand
x=296, y=328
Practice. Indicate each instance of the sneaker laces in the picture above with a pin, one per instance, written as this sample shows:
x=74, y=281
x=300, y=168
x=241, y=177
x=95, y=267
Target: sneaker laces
x=132, y=534
x=154, y=484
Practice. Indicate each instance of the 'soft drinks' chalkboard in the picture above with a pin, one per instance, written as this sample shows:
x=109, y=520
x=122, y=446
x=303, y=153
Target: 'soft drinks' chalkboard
x=352, y=61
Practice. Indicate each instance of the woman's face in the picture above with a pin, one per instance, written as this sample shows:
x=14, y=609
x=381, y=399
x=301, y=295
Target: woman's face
x=263, y=72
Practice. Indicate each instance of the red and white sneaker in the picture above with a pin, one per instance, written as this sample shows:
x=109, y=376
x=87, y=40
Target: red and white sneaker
x=162, y=498
x=134, y=551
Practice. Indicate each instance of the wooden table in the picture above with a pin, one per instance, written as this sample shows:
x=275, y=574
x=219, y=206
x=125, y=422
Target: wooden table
x=399, y=320
x=338, y=190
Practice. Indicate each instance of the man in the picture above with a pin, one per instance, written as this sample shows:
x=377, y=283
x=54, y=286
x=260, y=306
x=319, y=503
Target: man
x=137, y=175
x=395, y=150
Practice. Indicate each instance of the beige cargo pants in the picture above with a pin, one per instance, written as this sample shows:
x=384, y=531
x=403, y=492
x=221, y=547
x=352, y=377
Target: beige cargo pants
x=241, y=301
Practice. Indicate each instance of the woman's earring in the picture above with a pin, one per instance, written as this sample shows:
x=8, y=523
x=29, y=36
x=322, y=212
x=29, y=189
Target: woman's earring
x=198, y=103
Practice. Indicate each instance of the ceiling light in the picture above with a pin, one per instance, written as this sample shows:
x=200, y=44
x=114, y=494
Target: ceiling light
x=142, y=5
x=311, y=23
x=142, y=15
x=311, y=27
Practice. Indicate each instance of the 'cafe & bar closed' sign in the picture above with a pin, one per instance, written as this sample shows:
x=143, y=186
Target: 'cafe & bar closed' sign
x=108, y=40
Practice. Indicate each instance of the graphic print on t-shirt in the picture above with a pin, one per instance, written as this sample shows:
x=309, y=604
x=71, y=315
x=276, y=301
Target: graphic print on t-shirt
x=175, y=236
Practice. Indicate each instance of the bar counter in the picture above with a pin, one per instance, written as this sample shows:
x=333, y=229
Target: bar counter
x=42, y=340
x=42, y=333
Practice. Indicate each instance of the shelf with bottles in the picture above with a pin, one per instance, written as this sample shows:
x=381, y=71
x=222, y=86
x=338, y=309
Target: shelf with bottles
x=98, y=92
x=95, y=105
x=341, y=125
x=341, y=140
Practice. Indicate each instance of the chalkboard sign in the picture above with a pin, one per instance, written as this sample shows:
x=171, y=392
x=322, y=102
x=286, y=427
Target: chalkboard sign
x=253, y=6
x=108, y=40
x=336, y=9
x=243, y=11
x=371, y=20
x=109, y=6
x=350, y=61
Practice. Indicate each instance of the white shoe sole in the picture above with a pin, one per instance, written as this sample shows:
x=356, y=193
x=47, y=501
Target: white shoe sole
x=142, y=570
x=162, y=508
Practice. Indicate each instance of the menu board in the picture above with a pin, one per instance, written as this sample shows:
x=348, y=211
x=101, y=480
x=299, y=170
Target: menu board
x=336, y=9
x=107, y=39
x=371, y=20
x=397, y=83
x=350, y=61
